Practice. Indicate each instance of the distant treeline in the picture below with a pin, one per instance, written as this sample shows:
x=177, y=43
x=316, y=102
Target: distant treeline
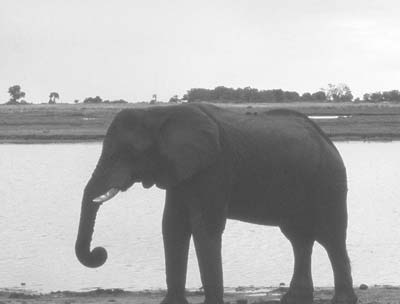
x=98, y=99
x=389, y=96
x=334, y=93
x=340, y=92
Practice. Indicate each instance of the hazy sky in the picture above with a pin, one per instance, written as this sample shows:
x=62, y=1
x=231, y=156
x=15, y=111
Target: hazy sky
x=133, y=49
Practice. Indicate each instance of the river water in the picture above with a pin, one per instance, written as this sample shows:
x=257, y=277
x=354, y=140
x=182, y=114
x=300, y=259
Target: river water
x=41, y=188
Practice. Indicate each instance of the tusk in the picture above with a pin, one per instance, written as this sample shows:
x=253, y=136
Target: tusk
x=107, y=196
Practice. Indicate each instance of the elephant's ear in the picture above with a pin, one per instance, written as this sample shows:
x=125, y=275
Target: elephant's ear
x=189, y=142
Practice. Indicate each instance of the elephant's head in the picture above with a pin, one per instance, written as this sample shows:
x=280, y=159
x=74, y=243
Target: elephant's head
x=160, y=146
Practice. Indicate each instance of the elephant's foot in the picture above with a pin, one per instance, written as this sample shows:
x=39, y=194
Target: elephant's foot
x=345, y=298
x=173, y=299
x=298, y=296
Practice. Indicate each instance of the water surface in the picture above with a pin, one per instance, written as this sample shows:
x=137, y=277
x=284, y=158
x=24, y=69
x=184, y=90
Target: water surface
x=41, y=188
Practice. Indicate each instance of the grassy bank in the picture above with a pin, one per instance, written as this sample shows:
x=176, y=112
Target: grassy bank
x=81, y=122
x=374, y=295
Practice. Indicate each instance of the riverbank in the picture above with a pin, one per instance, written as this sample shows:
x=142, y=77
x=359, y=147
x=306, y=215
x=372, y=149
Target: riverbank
x=373, y=295
x=86, y=123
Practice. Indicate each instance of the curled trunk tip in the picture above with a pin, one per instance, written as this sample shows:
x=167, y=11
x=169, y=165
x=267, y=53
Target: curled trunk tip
x=89, y=258
x=93, y=259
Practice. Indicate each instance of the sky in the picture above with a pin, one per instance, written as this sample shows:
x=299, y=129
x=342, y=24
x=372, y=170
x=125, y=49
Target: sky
x=134, y=49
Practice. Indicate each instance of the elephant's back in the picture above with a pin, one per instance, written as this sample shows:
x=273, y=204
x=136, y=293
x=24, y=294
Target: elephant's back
x=301, y=116
x=278, y=136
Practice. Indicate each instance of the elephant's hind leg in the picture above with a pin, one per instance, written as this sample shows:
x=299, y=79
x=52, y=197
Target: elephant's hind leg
x=301, y=286
x=335, y=245
x=331, y=234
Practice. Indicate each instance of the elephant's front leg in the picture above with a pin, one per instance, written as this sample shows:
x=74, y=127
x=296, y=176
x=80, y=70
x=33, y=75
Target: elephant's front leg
x=176, y=235
x=207, y=241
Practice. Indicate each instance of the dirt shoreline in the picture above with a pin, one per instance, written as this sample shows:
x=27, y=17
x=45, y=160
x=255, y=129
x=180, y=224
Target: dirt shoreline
x=372, y=295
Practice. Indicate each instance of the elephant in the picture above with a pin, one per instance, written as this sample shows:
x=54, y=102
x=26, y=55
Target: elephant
x=276, y=168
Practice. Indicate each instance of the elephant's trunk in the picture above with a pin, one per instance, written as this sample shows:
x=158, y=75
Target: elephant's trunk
x=98, y=255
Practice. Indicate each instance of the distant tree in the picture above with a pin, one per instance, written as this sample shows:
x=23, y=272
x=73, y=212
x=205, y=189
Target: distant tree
x=395, y=95
x=318, y=96
x=15, y=94
x=278, y=95
x=52, y=97
x=76, y=101
x=291, y=96
x=357, y=99
x=385, y=96
x=96, y=99
x=259, y=96
x=376, y=97
x=245, y=94
x=391, y=96
x=366, y=97
x=199, y=95
x=174, y=99
x=339, y=93
x=153, y=99
x=306, y=97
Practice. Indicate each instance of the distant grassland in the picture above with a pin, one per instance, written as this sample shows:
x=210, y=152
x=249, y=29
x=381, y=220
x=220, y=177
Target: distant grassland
x=89, y=122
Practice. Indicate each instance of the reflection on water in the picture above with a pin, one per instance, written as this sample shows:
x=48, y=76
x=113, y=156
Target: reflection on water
x=41, y=187
x=329, y=116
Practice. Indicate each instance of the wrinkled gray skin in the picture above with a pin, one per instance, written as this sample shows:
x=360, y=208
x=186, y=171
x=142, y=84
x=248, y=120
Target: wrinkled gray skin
x=276, y=168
